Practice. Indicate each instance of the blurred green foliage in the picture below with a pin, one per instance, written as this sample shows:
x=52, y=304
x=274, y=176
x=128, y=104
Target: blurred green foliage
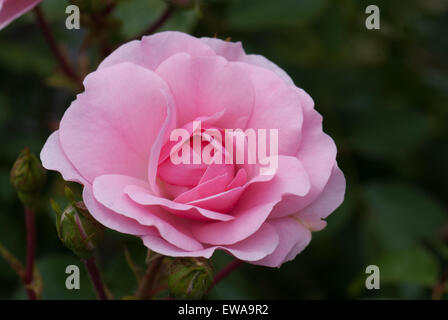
x=383, y=94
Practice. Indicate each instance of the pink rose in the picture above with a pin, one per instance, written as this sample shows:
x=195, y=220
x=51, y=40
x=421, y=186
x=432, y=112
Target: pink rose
x=115, y=140
x=12, y=9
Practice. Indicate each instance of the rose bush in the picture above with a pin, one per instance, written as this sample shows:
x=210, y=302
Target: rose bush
x=12, y=9
x=114, y=139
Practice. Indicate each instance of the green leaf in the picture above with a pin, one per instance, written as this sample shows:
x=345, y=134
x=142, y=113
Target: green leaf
x=137, y=15
x=17, y=57
x=400, y=214
x=52, y=269
x=389, y=132
x=267, y=14
x=409, y=270
x=412, y=266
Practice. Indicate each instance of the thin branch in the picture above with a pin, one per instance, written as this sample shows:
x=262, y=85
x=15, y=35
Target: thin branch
x=30, y=251
x=51, y=41
x=149, y=279
x=95, y=277
x=13, y=262
x=226, y=271
x=166, y=14
x=26, y=274
x=439, y=288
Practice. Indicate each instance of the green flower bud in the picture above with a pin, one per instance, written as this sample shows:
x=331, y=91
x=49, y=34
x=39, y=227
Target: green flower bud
x=189, y=278
x=28, y=177
x=77, y=229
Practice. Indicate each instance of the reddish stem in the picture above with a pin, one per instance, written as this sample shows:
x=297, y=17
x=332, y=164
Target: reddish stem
x=30, y=251
x=51, y=41
x=159, y=22
x=226, y=271
x=439, y=288
x=145, y=289
x=95, y=277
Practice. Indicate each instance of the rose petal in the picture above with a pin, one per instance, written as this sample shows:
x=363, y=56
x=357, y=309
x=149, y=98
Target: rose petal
x=255, y=247
x=261, y=61
x=109, y=191
x=255, y=204
x=293, y=238
x=233, y=51
x=206, y=189
x=12, y=9
x=111, y=127
x=277, y=107
x=220, y=202
x=203, y=86
x=167, y=126
x=141, y=196
x=111, y=219
x=317, y=153
x=329, y=200
x=54, y=158
x=153, y=50
x=239, y=180
x=181, y=174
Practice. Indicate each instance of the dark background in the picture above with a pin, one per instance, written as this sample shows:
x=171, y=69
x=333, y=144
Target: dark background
x=383, y=94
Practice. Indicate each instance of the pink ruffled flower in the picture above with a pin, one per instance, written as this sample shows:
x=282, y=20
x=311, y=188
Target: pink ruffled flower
x=114, y=138
x=12, y=9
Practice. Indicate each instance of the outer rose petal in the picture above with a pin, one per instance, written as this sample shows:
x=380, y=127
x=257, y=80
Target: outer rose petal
x=109, y=191
x=203, y=86
x=111, y=219
x=277, y=106
x=111, y=127
x=255, y=247
x=261, y=61
x=317, y=153
x=294, y=237
x=255, y=204
x=54, y=158
x=233, y=51
x=12, y=9
x=328, y=201
x=153, y=50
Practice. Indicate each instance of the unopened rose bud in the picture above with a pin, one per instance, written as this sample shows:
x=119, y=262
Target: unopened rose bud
x=28, y=177
x=77, y=229
x=189, y=278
